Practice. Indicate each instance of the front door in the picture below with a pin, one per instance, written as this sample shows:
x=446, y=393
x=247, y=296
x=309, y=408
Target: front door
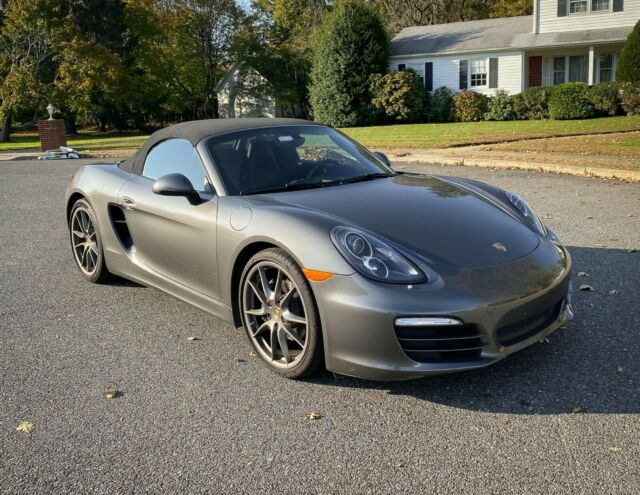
x=171, y=237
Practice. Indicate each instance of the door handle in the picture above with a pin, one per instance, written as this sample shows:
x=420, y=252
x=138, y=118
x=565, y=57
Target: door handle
x=128, y=203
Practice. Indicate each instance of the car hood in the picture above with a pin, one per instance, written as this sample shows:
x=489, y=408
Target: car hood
x=434, y=218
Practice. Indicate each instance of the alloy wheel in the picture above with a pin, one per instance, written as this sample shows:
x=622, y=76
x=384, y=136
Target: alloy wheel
x=275, y=314
x=84, y=241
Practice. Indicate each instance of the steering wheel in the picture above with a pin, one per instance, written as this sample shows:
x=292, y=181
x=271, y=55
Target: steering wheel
x=326, y=163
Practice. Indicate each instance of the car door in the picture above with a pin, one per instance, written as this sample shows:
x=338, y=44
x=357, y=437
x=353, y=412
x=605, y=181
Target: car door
x=172, y=237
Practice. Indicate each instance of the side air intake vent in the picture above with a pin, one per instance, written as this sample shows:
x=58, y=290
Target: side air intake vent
x=119, y=223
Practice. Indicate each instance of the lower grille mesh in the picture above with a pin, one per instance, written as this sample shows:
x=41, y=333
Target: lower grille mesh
x=441, y=344
x=527, y=327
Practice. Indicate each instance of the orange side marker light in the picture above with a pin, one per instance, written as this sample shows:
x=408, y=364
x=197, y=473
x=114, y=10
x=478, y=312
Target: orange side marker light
x=316, y=276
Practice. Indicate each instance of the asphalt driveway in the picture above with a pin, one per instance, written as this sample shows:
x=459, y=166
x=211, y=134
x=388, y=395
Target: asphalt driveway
x=204, y=416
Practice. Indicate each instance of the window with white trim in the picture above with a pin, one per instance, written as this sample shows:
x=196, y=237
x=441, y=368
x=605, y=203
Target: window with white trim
x=578, y=6
x=559, y=70
x=478, y=73
x=600, y=5
x=605, y=67
x=578, y=68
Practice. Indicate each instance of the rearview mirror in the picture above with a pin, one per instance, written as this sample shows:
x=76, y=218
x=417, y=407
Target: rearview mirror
x=176, y=185
x=383, y=158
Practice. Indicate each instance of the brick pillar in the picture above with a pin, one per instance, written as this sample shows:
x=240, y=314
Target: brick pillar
x=535, y=71
x=52, y=134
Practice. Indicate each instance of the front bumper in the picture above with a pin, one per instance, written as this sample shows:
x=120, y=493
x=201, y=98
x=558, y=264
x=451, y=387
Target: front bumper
x=358, y=315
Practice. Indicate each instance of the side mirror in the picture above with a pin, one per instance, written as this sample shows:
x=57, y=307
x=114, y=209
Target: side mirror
x=176, y=185
x=383, y=158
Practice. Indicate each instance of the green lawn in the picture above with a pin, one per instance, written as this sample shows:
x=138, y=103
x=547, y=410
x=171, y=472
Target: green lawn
x=427, y=136
x=423, y=136
x=85, y=141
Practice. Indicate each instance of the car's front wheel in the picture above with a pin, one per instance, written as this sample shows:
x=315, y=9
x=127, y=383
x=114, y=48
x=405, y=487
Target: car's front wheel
x=86, y=243
x=279, y=314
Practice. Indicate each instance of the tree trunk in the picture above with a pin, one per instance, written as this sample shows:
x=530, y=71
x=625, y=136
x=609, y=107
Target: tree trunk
x=5, y=135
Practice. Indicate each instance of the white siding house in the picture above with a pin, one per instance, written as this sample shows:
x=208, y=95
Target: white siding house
x=563, y=41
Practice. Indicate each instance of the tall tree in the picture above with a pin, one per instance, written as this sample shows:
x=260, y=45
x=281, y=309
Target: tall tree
x=184, y=48
x=511, y=8
x=629, y=62
x=350, y=47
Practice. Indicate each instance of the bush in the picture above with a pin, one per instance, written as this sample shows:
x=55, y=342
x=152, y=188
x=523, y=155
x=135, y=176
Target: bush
x=629, y=62
x=605, y=98
x=351, y=46
x=470, y=106
x=441, y=105
x=630, y=94
x=570, y=101
x=500, y=107
x=400, y=95
x=532, y=103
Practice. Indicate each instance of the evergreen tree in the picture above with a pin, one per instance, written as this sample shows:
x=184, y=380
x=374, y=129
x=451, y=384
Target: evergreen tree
x=629, y=63
x=350, y=47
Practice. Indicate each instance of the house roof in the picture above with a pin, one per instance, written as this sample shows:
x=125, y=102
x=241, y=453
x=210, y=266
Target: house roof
x=492, y=34
x=458, y=37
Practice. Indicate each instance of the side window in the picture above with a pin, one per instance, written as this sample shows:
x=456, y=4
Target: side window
x=176, y=156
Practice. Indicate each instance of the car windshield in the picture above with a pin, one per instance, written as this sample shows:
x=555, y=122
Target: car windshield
x=291, y=157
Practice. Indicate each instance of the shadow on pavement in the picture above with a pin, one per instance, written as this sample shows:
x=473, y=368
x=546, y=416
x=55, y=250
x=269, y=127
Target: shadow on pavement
x=591, y=366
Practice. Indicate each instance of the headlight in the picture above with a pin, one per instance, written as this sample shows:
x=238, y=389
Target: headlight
x=527, y=212
x=375, y=258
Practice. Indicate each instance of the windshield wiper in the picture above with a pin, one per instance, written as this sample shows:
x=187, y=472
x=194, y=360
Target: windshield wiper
x=366, y=177
x=291, y=186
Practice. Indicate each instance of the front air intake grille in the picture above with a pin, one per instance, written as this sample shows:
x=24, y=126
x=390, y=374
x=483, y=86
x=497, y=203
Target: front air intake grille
x=441, y=344
x=525, y=328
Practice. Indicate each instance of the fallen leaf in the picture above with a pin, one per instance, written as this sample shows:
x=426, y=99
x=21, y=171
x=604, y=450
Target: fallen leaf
x=615, y=449
x=589, y=218
x=25, y=427
x=583, y=274
x=312, y=416
x=586, y=288
x=547, y=216
x=193, y=338
x=239, y=360
x=579, y=410
x=253, y=354
x=110, y=394
x=400, y=464
x=544, y=341
x=620, y=369
x=613, y=292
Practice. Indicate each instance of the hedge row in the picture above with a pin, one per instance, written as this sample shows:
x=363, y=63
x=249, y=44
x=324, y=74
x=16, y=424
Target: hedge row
x=399, y=97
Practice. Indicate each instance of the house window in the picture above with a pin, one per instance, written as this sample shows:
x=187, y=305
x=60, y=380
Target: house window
x=605, y=64
x=478, y=73
x=402, y=67
x=578, y=68
x=578, y=6
x=599, y=5
x=559, y=70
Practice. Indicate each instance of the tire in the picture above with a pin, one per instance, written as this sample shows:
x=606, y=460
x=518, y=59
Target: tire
x=273, y=316
x=86, y=243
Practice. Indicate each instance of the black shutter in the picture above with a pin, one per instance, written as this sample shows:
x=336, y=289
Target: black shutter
x=493, y=72
x=464, y=74
x=562, y=8
x=618, y=5
x=428, y=76
x=402, y=67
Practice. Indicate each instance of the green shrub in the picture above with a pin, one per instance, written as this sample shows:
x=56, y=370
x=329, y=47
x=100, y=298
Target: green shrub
x=532, y=103
x=350, y=47
x=628, y=69
x=605, y=98
x=630, y=94
x=570, y=101
x=400, y=95
x=470, y=106
x=500, y=107
x=441, y=105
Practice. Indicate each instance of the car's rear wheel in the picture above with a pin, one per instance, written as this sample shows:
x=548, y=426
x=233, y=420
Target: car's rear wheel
x=279, y=314
x=86, y=243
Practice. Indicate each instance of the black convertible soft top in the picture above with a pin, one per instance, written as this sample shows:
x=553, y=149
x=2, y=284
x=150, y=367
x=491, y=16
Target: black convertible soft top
x=196, y=130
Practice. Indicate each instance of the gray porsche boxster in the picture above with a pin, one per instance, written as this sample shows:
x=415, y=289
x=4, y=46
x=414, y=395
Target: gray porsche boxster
x=320, y=251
